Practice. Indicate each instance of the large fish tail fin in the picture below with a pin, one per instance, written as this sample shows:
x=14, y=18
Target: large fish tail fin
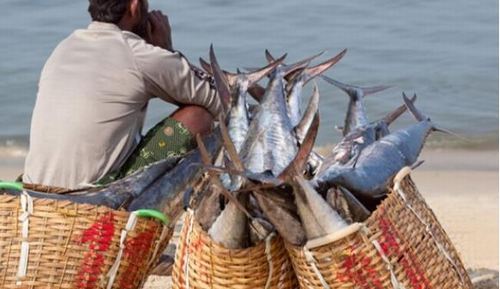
x=298, y=164
x=421, y=117
x=414, y=111
x=290, y=69
x=220, y=81
x=355, y=92
x=257, y=75
x=314, y=71
x=306, y=121
x=205, y=66
x=395, y=114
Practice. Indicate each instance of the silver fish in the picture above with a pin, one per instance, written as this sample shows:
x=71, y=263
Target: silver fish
x=315, y=159
x=349, y=148
x=377, y=163
x=165, y=194
x=230, y=228
x=299, y=80
x=209, y=207
x=346, y=204
x=318, y=218
x=271, y=144
x=356, y=114
x=118, y=193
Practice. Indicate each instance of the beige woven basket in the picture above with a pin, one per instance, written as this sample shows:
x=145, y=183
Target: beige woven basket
x=401, y=245
x=59, y=244
x=201, y=263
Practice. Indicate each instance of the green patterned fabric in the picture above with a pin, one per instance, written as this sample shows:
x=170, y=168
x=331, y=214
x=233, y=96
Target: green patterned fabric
x=168, y=138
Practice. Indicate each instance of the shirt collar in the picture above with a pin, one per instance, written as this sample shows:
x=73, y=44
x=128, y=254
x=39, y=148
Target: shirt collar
x=96, y=25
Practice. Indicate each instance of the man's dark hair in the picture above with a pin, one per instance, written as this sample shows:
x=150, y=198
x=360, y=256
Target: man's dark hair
x=110, y=11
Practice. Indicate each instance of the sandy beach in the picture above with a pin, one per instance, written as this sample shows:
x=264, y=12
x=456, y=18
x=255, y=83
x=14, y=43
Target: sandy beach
x=461, y=186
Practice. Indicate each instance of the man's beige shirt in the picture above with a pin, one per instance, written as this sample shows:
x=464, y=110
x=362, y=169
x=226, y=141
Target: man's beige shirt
x=92, y=99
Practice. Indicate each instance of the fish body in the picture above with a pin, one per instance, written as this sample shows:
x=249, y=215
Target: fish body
x=318, y=218
x=230, y=228
x=356, y=113
x=238, y=116
x=293, y=100
x=271, y=144
x=381, y=160
x=118, y=193
x=350, y=147
x=166, y=193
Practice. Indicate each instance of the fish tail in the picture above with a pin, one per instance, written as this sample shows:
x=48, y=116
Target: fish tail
x=314, y=71
x=355, y=92
x=220, y=81
x=255, y=76
x=298, y=164
x=421, y=117
x=205, y=65
x=395, y=114
x=414, y=111
x=291, y=68
x=309, y=114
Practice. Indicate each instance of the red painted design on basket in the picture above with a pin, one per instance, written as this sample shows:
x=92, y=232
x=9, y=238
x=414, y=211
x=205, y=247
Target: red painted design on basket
x=135, y=253
x=359, y=269
x=196, y=245
x=391, y=247
x=98, y=237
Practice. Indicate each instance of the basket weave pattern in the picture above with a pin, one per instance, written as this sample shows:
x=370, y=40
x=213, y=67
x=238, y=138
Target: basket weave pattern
x=202, y=263
x=74, y=245
x=401, y=245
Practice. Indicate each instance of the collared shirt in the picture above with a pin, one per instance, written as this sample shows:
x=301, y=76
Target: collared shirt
x=92, y=99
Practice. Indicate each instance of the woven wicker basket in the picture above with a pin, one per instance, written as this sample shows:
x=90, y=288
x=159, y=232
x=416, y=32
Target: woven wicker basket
x=59, y=244
x=401, y=245
x=201, y=263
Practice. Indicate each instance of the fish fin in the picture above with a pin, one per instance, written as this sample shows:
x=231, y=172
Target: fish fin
x=447, y=131
x=311, y=110
x=414, y=111
x=269, y=57
x=205, y=65
x=257, y=92
x=352, y=90
x=213, y=179
x=417, y=164
x=229, y=146
x=230, y=77
x=358, y=209
x=257, y=75
x=393, y=115
x=421, y=117
x=220, y=81
x=298, y=164
x=314, y=71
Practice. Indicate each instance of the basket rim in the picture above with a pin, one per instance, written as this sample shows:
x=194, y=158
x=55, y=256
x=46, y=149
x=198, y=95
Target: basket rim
x=335, y=236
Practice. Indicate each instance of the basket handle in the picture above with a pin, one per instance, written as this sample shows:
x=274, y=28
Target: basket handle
x=400, y=176
x=148, y=213
x=16, y=186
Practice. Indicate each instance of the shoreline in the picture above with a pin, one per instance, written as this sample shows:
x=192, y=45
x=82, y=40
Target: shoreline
x=461, y=187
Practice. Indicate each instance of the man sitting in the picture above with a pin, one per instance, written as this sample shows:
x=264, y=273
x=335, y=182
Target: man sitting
x=93, y=94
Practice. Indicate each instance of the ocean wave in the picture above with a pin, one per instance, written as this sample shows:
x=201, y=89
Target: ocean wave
x=13, y=147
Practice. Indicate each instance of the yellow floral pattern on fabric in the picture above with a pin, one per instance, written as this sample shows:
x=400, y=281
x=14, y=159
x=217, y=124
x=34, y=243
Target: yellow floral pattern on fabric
x=169, y=138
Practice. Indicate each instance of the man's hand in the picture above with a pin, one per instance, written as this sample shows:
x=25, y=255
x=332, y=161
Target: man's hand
x=158, y=30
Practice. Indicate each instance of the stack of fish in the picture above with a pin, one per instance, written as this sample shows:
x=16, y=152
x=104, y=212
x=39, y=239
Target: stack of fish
x=269, y=178
x=261, y=172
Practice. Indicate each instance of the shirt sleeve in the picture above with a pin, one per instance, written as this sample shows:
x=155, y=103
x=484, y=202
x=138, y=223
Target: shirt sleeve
x=169, y=76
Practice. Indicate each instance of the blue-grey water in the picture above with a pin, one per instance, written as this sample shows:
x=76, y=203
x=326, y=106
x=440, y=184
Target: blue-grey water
x=446, y=51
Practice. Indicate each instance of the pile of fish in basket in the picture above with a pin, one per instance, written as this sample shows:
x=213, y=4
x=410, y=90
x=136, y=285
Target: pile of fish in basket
x=264, y=209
